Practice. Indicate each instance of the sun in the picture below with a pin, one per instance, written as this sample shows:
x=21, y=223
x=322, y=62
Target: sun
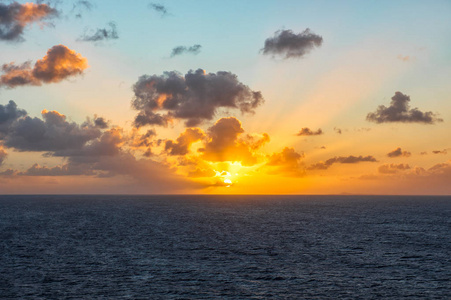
x=227, y=181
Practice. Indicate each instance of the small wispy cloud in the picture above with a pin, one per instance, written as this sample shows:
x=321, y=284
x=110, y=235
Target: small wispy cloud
x=160, y=8
x=179, y=50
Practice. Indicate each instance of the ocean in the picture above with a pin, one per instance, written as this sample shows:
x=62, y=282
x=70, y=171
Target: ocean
x=225, y=247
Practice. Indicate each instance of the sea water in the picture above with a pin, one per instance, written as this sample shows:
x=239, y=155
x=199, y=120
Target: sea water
x=225, y=247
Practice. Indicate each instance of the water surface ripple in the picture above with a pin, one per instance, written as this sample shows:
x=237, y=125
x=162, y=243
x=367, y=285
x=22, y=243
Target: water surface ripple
x=225, y=247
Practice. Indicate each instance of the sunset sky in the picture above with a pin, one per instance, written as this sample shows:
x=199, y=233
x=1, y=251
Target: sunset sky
x=225, y=97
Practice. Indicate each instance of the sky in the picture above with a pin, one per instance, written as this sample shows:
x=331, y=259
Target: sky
x=225, y=97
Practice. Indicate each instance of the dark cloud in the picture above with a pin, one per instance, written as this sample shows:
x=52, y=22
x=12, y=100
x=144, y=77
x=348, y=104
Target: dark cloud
x=8, y=114
x=15, y=17
x=337, y=130
x=101, y=34
x=179, y=50
x=147, y=117
x=3, y=155
x=399, y=111
x=307, y=132
x=184, y=141
x=53, y=133
x=100, y=122
x=287, y=162
x=195, y=97
x=97, y=122
x=80, y=6
x=60, y=63
x=160, y=8
x=439, y=151
x=108, y=144
x=393, y=168
x=398, y=152
x=287, y=44
x=342, y=160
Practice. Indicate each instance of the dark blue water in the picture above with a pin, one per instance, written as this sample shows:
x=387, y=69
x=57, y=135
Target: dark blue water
x=232, y=247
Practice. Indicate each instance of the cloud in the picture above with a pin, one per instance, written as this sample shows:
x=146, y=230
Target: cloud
x=399, y=111
x=405, y=58
x=438, y=174
x=81, y=6
x=342, y=160
x=8, y=173
x=125, y=164
x=256, y=141
x=53, y=133
x=160, y=8
x=439, y=151
x=195, y=97
x=179, y=50
x=3, y=155
x=338, y=130
x=443, y=169
x=87, y=150
x=64, y=170
x=224, y=145
x=307, y=132
x=101, y=34
x=287, y=162
x=138, y=140
x=398, y=152
x=290, y=45
x=199, y=173
x=184, y=141
x=60, y=63
x=100, y=122
x=392, y=168
x=362, y=129
x=15, y=17
x=8, y=114
x=107, y=144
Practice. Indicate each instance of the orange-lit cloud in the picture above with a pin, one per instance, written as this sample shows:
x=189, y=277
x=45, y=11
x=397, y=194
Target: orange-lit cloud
x=184, y=141
x=392, y=168
x=224, y=145
x=287, y=162
x=3, y=155
x=14, y=17
x=60, y=63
